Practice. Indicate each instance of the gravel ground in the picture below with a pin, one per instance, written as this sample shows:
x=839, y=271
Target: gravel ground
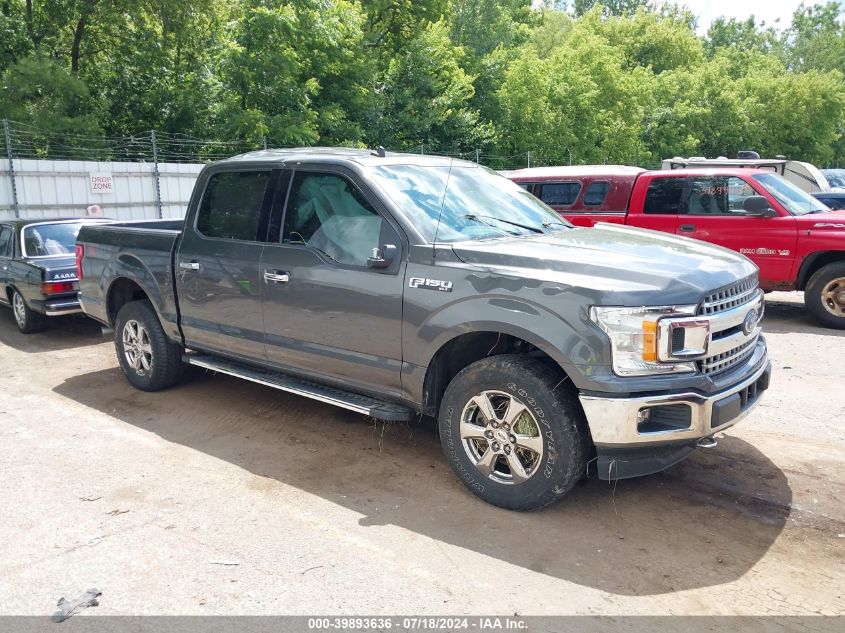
x=224, y=497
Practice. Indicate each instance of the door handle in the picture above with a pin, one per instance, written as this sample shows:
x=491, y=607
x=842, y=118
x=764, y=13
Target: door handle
x=687, y=228
x=189, y=265
x=276, y=277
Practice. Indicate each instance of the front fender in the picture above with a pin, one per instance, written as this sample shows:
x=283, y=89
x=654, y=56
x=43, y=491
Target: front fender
x=577, y=348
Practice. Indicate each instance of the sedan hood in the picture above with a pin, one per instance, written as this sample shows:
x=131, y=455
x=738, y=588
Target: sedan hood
x=623, y=265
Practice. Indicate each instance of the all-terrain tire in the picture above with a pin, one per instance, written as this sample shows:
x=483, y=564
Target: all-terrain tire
x=823, y=296
x=510, y=381
x=149, y=360
x=28, y=320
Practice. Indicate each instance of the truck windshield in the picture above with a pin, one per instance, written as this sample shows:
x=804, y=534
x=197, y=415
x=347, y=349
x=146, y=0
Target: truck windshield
x=796, y=201
x=465, y=202
x=47, y=240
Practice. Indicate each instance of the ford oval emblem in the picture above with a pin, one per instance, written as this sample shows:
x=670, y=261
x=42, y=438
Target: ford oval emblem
x=750, y=322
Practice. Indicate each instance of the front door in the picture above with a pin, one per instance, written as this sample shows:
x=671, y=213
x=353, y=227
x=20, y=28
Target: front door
x=217, y=264
x=326, y=312
x=714, y=214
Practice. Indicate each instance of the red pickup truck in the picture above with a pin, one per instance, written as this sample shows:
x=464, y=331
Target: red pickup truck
x=797, y=242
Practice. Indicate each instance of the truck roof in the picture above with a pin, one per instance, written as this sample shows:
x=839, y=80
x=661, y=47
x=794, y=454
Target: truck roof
x=574, y=171
x=366, y=157
x=624, y=172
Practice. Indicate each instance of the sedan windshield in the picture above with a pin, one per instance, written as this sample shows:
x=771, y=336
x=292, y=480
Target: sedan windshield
x=796, y=201
x=47, y=240
x=465, y=202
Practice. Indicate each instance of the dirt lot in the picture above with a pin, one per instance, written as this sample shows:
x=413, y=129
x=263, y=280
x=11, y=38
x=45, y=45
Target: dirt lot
x=224, y=497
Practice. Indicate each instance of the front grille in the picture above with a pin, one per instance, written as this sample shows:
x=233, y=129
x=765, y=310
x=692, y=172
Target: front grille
x=724, y=361
x=730, y=297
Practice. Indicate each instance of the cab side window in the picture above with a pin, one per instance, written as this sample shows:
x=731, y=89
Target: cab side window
x=328, y=213
x=232, y=205
x=6, y=241
x=718, y=195
x=665, y=196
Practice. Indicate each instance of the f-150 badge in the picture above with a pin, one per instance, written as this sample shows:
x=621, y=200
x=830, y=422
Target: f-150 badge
x=430, y=284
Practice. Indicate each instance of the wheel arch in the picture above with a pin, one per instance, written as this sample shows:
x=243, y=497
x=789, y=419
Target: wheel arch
x=462, y=349
x=815, y=262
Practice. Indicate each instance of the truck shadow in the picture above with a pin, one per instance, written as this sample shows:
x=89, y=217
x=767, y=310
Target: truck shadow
x=785, y=317
x=705, y=522
x=65, y=332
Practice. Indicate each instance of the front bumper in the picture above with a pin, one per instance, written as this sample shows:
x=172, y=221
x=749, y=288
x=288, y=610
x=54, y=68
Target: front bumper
x=646, y=434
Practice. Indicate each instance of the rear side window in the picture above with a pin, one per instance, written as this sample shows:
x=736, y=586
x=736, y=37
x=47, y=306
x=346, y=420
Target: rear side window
x=559, y=194
x=596, y=193
x=6, y=237
x=664, y=196
x=232, y=204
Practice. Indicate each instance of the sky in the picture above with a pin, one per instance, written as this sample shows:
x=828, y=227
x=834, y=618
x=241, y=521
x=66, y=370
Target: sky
x=768, y=10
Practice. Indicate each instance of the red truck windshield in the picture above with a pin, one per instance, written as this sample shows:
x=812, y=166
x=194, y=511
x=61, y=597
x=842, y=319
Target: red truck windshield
x=791, y=197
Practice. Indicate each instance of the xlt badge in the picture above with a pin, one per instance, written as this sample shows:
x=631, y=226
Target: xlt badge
x=430, y=284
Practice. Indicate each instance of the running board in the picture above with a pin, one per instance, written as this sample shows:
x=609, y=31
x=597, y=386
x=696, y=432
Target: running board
x=354, y=402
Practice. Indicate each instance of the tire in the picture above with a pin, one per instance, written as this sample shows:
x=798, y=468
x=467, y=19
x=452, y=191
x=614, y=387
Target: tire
x=824, y=296
x=149, y=360
x=552, y=461
x=28, y=320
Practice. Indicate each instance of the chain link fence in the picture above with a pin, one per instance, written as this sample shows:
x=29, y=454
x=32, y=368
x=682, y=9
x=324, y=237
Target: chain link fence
x=46, y=174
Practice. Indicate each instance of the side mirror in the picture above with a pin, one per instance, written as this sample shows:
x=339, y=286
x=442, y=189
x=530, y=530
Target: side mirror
x=382, y=258
x=758, y=207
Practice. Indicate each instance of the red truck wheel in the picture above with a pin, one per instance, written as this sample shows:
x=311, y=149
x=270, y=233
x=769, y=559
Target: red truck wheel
x=824, y=295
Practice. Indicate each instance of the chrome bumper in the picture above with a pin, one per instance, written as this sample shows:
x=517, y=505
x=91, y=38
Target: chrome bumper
x=614, y=421
x=60, y=308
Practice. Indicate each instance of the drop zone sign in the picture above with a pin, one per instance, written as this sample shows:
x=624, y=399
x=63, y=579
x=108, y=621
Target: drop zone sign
x=101, y=183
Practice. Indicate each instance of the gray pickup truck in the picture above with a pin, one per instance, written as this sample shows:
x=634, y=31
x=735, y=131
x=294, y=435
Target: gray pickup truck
x=396, y=285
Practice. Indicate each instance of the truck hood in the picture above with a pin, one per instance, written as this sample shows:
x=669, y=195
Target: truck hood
x=617, y=265
x=60, y=268
x=827, y=221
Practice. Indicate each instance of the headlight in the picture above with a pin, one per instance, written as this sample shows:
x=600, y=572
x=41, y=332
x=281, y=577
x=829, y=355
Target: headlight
x=635, y=339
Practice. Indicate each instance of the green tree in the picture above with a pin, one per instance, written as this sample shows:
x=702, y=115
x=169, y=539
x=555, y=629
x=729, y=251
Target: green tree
x=425, y=99
x=41, y=94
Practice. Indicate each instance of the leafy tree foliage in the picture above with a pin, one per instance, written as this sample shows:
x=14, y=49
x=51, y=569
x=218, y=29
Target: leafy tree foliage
x=591, y=81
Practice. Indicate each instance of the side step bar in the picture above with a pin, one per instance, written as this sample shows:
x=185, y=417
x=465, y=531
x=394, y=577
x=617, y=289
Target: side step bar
x=354, y=402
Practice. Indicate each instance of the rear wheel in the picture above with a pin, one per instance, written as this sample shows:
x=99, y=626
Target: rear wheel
x=824, y=295
x=28, y=320
x=147, y=357
x=513, y=432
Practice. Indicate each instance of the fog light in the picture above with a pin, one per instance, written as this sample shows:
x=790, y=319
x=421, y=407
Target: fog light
x=669, y=417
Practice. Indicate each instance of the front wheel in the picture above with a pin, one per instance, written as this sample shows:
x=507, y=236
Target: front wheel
x=513, y=432
x=147, y=357
x=824, y=296
x=28, y=320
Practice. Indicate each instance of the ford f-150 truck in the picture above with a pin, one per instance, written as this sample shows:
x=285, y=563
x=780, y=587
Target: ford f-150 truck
x=395, y=285
x=797, y=242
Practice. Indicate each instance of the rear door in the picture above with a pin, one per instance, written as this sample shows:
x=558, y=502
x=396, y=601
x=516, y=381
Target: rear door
x=325, y=312
x=713, y=212
x=217, y=264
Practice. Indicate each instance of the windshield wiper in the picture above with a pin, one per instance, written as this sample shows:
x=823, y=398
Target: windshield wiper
x=473, y=216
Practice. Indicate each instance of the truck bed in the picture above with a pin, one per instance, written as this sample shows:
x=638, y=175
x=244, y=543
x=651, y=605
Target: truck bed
x=142, y=251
